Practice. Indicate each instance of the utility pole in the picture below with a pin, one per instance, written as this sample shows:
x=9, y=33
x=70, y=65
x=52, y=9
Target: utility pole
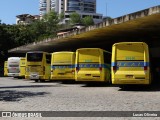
x=106, y=9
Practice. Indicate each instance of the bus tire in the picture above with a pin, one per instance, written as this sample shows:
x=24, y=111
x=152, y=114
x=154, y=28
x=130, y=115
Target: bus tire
x=36, y=80
x=42, y=80
x=122, y=86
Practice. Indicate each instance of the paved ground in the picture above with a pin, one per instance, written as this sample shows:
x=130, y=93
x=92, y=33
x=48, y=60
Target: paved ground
x=23, y=95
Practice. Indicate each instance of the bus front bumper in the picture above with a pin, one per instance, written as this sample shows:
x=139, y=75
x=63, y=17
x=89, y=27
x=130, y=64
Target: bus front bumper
x=65, y=77
x=126, y=81
x=94, y=79
x=13, y=74
x=34, y=77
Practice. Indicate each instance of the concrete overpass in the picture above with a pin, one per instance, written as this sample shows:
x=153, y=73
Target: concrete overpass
x=143, y=25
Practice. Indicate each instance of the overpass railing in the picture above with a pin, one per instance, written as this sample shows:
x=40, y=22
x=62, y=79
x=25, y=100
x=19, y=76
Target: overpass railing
x=118, y=20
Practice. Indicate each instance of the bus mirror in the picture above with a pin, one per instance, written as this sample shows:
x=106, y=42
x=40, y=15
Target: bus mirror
x=100, y=68
x=114, y=68
x=77, y=69
x=145, y=68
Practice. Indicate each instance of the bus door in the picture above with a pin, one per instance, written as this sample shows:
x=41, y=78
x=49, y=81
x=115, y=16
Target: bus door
x=47, y=66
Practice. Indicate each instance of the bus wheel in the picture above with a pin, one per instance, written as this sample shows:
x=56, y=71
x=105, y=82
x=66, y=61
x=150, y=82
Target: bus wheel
x=42, y=80
x=36, y=80
x=122, y=86
x=110, y=82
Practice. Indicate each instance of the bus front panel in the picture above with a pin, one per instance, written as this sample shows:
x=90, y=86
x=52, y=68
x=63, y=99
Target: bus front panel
x=34, y=66
x=63, y=66
x=89, y=65
x=130, y=64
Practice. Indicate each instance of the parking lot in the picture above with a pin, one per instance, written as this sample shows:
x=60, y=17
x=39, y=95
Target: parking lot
x=24, y=95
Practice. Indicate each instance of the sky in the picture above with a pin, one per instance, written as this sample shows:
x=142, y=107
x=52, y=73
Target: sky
x=114, y=8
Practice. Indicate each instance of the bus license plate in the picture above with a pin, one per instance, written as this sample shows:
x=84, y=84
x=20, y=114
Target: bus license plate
x=61, y=73
x=88, y=74
x=129, y=76
x=34, y=76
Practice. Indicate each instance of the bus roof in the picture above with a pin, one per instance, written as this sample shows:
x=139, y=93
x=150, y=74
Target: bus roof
x=63, y=52
x=13, y=58
x=36, y=52
x=93, y=49
x=22, y=58
x=120, y=43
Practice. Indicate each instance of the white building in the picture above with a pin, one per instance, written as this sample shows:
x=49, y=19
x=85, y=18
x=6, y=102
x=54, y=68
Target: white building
x=26, y=19
x=82, y=7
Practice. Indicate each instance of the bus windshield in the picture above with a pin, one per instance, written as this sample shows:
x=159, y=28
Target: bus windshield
x=34, y=57
x=60, y=59
x=129, y=52
x=89, y=56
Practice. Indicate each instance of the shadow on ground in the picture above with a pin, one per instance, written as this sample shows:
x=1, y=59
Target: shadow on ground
x=70, y=82
x=31, y=86
x=97, y=84
x=60, y=82
x=13, y=95
x=46, y=81
x=141, y=88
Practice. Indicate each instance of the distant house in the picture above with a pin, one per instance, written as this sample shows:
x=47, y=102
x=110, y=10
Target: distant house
x=79, y=26
x=63, y=31
x=74, y=27
x=25, y=19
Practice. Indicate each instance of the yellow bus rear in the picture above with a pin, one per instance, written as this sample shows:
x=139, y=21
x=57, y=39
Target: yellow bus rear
x=22, y=67
x=130, y=63
x=62, y=66
x=93, y=64
x=38, y=66
x=5, y=69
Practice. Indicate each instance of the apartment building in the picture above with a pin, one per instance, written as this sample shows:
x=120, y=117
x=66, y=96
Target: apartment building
x=82, y=7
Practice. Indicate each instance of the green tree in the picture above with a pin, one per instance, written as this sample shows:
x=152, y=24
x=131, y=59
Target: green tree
x=51, y=21
x=107, y=18
x=61, y=16
x=6, y=42
x=25, y=35
x=75, y=18
x=87, y=21
x=38, y=29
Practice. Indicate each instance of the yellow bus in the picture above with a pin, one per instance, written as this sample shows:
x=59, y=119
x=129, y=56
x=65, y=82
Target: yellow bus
x=62, y=65
x=93, y=64
x=22, y=67
x=5, y=69
x=130, y=63
x=38, y=66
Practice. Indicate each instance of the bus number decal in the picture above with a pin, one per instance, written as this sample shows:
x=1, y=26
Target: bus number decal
x=130, y=58
x=88, y=65
x=88, y=60
x=130, y=64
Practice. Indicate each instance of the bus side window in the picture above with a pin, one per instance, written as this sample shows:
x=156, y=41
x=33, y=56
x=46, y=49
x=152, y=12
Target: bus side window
x=107, y=57
x=48, y=59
